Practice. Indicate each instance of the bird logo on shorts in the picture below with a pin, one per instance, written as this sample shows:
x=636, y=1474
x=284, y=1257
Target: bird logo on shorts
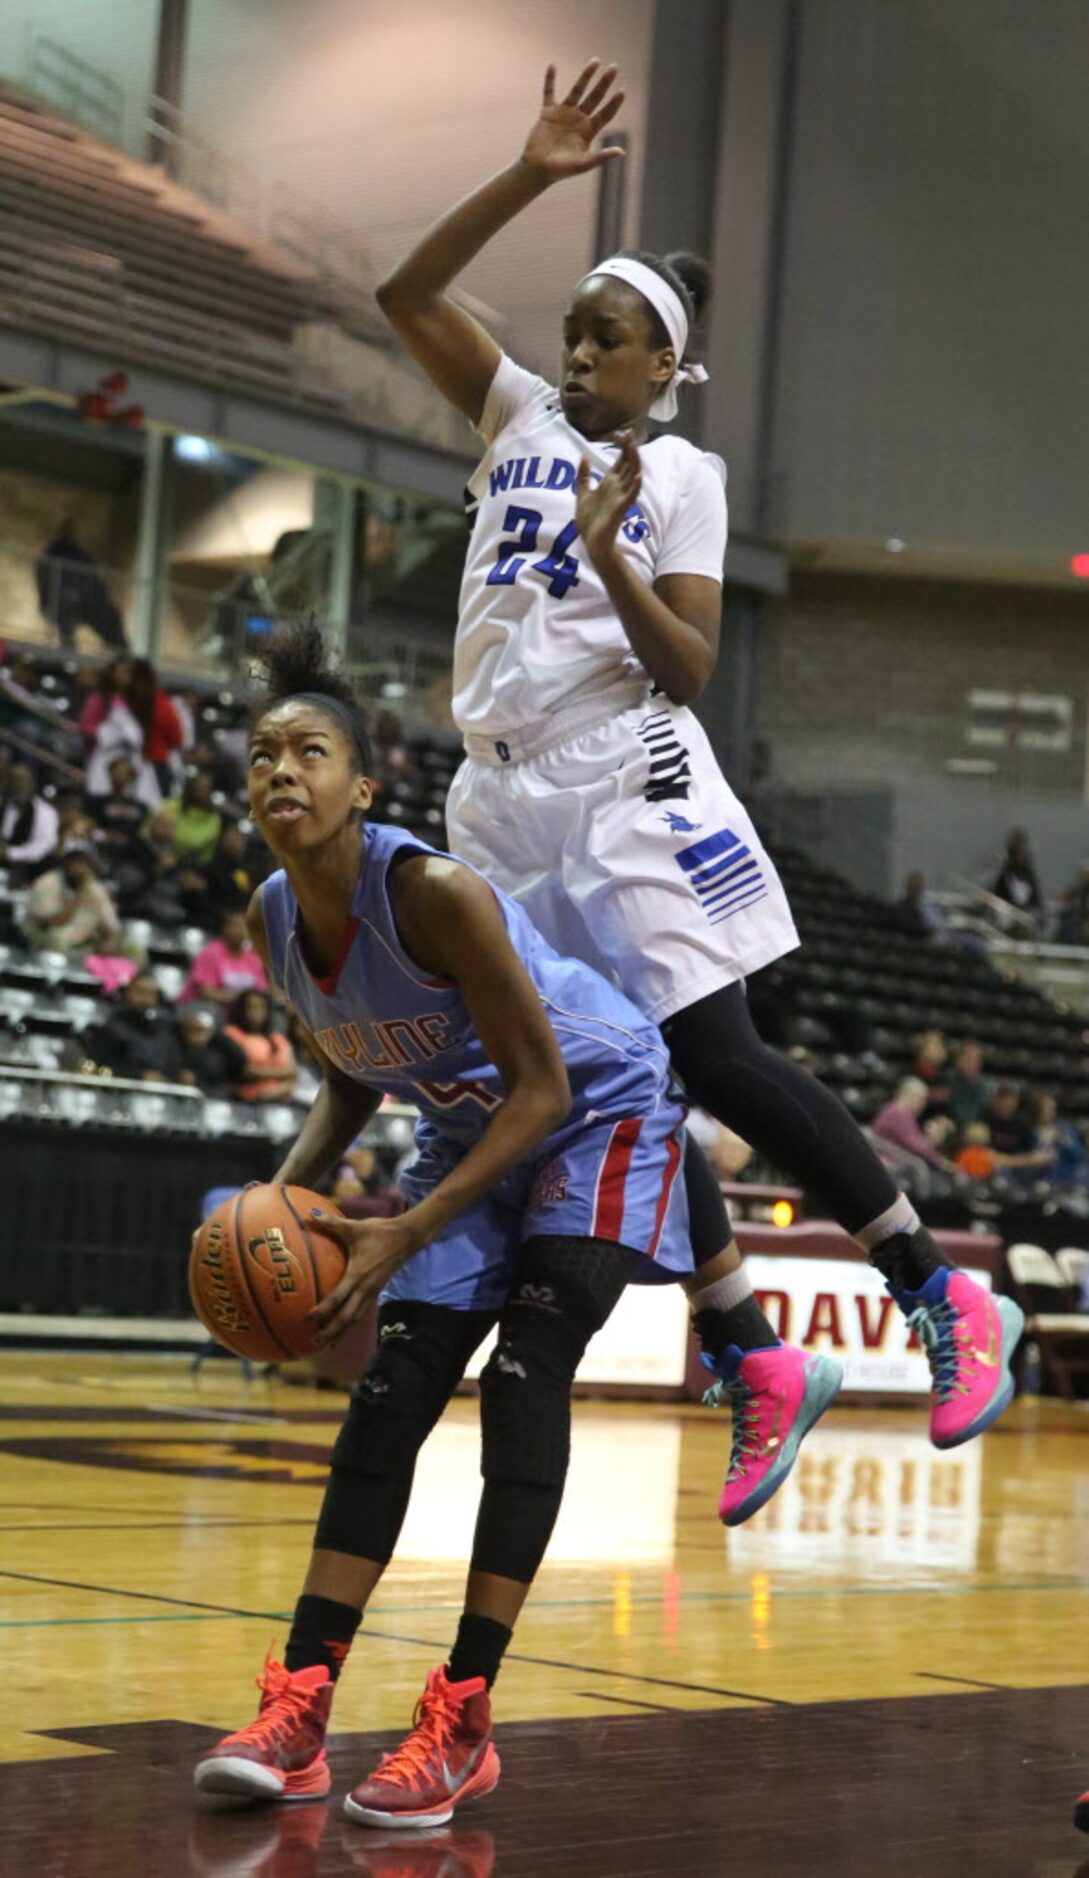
x=678, y=825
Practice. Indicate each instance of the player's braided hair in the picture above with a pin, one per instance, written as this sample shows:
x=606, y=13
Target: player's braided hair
x=295, y=664
x=691, y=280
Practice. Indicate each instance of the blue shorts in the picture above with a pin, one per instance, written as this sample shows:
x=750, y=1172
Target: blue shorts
x=615, y=1178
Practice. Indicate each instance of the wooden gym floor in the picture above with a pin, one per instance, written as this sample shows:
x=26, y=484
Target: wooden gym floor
x=886, y=1672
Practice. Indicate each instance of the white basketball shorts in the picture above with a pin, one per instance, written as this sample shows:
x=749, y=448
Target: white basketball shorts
x=627, y=847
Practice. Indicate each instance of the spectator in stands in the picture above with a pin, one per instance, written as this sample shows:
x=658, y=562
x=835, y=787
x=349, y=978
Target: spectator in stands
x=72, y=592
x=111, y=729
x=1069, y=1166
x=309, y=1070
x=137, y=1038
x=195, y=822
x=228, y=880
x=209, y=1060
x=28, y=825
x=1016, y=881
x=119, y=815
x=159, y=723
x=1013, y=1137
x=73, y=821
x=359, y=1189
x=899, y=1123
x=1072, y=928
x=69, y=910
x=975, y=1156
x=969, y=1089
x=269, y=1071
x=916, y=913
x=931, y=1057
x=226, y=966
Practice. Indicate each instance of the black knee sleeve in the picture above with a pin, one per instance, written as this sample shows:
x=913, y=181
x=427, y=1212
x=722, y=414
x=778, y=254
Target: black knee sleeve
x=420, y=1359
x=567, y=1288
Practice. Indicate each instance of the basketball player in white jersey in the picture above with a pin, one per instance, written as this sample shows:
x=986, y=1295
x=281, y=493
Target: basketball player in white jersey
x=589, y=621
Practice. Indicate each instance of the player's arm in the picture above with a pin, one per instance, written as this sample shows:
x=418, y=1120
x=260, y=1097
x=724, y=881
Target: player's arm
x=455, y=351
x=673, y=627
x=450, y=923
x=341, y=1108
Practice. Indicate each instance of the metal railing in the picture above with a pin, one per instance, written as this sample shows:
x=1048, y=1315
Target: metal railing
x=77, y=89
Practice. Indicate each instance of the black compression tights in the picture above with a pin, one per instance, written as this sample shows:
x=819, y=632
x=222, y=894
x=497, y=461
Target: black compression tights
x=785, y=1113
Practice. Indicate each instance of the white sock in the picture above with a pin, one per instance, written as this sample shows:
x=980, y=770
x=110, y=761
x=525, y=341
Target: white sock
x=899, y=1217
x=723, y=1294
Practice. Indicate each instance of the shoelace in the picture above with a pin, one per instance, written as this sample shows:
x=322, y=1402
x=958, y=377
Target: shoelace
x=433, y=1723
x=286, y=1706
x=937, y=1326
x=746, y=1413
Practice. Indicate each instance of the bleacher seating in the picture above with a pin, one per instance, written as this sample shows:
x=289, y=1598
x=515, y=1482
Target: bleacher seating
x=94, y=244
x=860, y=990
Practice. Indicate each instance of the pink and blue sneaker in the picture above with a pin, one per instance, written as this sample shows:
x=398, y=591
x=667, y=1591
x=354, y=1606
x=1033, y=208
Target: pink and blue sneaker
x=969, y=1337
x=775, y=1395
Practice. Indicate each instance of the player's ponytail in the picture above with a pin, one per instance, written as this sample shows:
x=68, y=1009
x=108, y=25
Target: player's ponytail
x=694, y=274
x=690, y=278
x=295, y=665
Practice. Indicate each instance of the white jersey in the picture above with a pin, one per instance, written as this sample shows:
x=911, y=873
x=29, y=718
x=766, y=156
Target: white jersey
x=537, y=632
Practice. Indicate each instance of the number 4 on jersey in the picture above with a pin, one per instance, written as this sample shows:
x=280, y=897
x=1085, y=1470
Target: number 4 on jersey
x=521, y=528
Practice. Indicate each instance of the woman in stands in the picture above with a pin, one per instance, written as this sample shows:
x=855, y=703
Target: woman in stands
x=590, y=614
x=269, y=1067
x=549, y=1144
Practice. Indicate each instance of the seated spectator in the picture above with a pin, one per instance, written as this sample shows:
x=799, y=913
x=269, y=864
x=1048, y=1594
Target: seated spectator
x=111, y=729
x=195, y=822
x=72, y=592
x=1016, y=881
x=69, y=909
x=359, y=1190
x=230, y=876
x=1011, y=1130
x=269, y=1070
x=899, y=1123
x=1013, y=1137
x=28, y=825
x=209, y=1060
x=309, y=1062
x=73, y=821
x=160, y=726
x=916, y=913
x=1072, y=928
x=931, y=1057
x=226, y=966
x=1069, y=1166
x=975, y=1157
x=120, y=814
x=969, y=1089
x=137, y=1038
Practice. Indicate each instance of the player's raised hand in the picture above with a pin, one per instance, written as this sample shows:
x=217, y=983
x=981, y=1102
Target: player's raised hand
x=600, y=508
x=561, y=142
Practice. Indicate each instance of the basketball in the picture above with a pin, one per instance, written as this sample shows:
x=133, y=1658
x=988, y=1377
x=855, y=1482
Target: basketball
x=258, y=1265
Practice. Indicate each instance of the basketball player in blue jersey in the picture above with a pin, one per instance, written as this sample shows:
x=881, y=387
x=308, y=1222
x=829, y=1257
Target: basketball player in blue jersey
x=589, y=620
x=549, y=1144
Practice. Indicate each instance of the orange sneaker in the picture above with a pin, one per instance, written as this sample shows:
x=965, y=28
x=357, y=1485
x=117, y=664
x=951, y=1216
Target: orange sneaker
x=449, y=1757
x=281, y=1755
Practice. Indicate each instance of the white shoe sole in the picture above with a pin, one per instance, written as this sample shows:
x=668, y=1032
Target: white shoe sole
x=233, y=1776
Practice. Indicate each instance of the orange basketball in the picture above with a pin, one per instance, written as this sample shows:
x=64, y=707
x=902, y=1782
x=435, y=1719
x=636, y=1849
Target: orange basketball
x=258, y=1265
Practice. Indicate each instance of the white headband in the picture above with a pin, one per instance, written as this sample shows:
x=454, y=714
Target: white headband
x=670, y=310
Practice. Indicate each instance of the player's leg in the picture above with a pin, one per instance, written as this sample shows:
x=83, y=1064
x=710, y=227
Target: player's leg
x=970, y=1336
x=678, y=892
x=422, y=1352
x=775, y=1392
x=566, y=1288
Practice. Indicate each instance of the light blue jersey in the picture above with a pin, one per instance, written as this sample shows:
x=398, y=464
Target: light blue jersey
x=608, y=1172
